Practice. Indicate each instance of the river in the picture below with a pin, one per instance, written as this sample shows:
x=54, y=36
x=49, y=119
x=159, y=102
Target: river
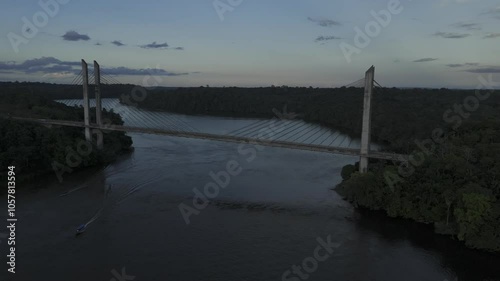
x=274, y=214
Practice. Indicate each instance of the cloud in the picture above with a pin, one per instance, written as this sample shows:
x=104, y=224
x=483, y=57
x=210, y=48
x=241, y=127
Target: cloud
x=425, y=60
x=447, y=2
x=117, y=43
x=485, y=69
x=56, y=67
x=154, y=45
x=467, y=26
x=148, y=71
x=75, y=36
x=44, y=65
x=455, y=65
x=491, y=35
x=326, y=38
x=493, y=12
x=324, y=22
x=451, y=35
x=98, y=44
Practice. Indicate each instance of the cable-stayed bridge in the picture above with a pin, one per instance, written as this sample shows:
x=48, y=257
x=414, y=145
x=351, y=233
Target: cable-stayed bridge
x=283, y=131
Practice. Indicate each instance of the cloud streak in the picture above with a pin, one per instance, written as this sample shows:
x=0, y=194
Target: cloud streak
x=485, y=69
x=492, y=36
x=493, y=12
x=326, y=38
x=324, y=22
x=147, y=71
x=75, y=36
x=155, y=45
x=451, y=35
x=455, y=65
x=56, y=67
x=467, y=26
x=117, y=43
x=425, y=60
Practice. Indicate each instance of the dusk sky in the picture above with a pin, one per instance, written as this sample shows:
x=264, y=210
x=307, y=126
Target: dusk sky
x=430, y=43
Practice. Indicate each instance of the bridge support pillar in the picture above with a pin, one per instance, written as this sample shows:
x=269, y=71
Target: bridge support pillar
x=365, y=133
x=98, y=104
x=86, y=110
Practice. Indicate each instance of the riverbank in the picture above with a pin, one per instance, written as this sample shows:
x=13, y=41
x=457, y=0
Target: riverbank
x=455, y=188
x=36, y=150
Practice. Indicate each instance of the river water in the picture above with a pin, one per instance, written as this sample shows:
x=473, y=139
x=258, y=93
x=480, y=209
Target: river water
x=271, y=215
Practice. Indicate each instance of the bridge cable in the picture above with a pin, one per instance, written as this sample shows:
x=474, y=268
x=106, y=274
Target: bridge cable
x=294, y=126
x=330, y=144
x=288, y=134
x=313, y=129
x=247, y=126
x=331, y=134
x=320, y=136
x=164, y=123
x=251, y=130
x=318, y=130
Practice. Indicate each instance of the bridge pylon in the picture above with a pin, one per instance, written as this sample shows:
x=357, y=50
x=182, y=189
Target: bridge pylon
x=86, y=102
x=98, y=103
x=86, y=112
x=366, y=129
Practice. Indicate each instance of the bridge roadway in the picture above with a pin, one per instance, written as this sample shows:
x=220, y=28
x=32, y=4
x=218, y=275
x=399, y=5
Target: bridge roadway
x=222, y=138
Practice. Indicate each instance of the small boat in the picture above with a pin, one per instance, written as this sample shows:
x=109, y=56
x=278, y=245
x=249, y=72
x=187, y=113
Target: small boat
x=81, y=229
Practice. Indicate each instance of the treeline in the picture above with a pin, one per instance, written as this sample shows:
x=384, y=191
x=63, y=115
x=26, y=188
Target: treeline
x=399, y=116
x=34, y=149
x=60, y=91
x=455, y=185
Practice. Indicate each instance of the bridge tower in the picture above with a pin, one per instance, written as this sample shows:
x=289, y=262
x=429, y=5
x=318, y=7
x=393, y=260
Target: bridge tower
x=86, y=112
x=86, y=102
x=366, y=130
x=98, y=104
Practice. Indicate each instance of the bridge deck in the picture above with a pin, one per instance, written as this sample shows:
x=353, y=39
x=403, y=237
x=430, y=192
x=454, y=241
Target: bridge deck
x=223, y=138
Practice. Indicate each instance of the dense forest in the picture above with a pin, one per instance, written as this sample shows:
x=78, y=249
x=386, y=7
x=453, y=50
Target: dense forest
x=59, y=91
x=456, y=187
x=38, y=150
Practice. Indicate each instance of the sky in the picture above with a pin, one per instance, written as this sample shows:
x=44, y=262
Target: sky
x=249, y=43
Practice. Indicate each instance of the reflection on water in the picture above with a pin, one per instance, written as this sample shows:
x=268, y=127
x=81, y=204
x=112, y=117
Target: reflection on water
x=265, y=221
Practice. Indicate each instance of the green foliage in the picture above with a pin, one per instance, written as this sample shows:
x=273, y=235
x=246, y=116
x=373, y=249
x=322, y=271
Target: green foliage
x=33, y=148
x=456, y=187
x=347, y=171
